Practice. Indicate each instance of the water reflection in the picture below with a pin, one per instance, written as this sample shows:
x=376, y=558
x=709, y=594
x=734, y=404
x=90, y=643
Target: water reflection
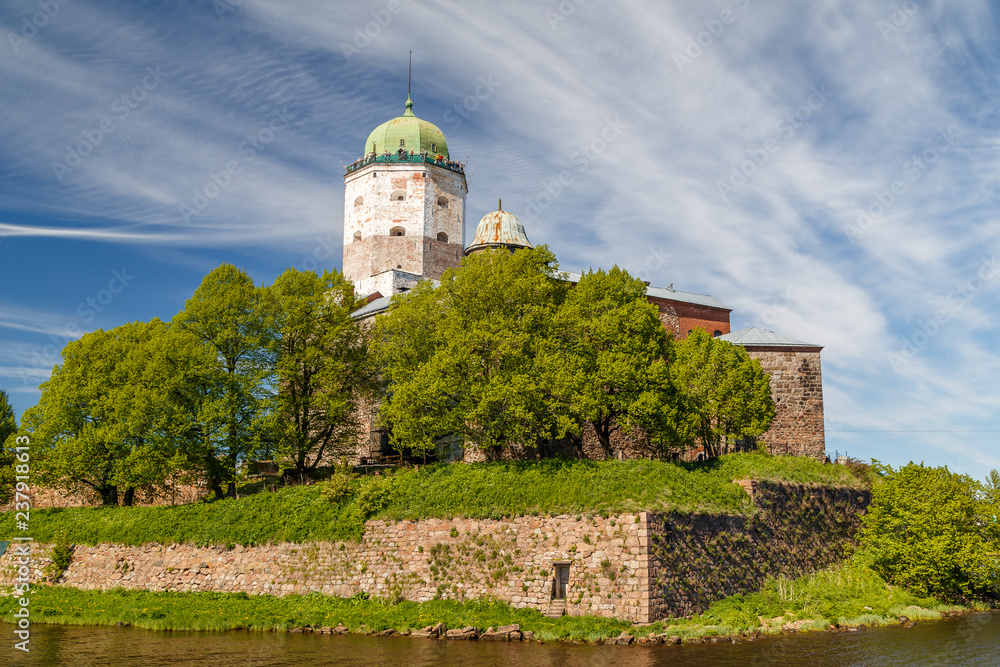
x=972, y=640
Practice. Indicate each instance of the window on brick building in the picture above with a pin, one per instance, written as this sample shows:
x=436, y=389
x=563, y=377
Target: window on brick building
x=397, y=231
x=443, y=201
x=442, y=237
x=716, y=333
x=397, y=195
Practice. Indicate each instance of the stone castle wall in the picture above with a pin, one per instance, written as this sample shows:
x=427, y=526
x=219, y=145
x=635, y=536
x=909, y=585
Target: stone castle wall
x=698, y=559
x=415, y=560
x=48, y=498
x=636, y=566
x=797, y=388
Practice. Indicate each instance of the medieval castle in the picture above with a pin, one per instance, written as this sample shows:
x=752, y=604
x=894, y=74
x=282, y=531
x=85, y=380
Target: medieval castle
x=404, y=221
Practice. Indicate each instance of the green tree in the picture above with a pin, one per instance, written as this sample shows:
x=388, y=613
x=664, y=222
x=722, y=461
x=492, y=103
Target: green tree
x=8, y=430
x=460, y=360
x=931, y=530
x=724, y=394
x=100, y=422
x=323, y=367
x=8, y=422
x=608, y=359
x=234, y=400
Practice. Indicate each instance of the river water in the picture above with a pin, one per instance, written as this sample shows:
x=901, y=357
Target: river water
x=971, y=640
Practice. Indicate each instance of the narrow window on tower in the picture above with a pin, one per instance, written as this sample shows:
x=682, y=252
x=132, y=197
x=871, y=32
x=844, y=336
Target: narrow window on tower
x=442, y=237
x=357, y=236
x=359, y=201
x=397, y=195
x=443, y=201
x=397, y=231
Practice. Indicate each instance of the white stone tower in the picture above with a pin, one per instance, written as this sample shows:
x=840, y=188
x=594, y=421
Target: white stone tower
x=404, y=208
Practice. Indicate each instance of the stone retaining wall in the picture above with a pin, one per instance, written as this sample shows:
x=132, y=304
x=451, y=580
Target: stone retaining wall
x=696, y=560
x=415, y=560
x=639, y=567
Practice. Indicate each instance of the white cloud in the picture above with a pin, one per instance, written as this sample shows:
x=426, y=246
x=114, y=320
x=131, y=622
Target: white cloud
x=647, y=199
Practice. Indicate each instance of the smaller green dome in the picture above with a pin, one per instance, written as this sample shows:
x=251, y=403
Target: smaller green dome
x=409, y=133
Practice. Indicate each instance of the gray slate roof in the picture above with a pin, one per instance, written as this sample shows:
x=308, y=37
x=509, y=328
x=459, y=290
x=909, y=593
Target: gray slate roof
x=664, y=293
x=757, y=336
x=375, y=306
x=382, y=303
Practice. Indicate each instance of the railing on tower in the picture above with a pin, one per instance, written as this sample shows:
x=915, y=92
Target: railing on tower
x=403, y=156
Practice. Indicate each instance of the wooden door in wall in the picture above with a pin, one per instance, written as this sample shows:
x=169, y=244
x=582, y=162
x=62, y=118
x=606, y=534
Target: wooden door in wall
x=561, y=581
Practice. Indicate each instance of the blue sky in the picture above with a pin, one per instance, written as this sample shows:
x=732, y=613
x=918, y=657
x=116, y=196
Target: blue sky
x=826, y=169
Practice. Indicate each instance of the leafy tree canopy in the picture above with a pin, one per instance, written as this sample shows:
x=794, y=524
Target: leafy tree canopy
x=8, y=430
x=460, y=360
x=934, y=531
x=608, y=359
x=725, y=394
x=100, y=421
x=234, y=402
x=323, y=366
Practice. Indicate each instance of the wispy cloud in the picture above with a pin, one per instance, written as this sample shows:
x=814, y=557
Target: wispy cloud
x=644, y=195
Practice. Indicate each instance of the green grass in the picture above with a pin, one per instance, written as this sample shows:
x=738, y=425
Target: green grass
x=836, y=595
x=238, y=611
x=488, y=490
x=554, y=486
x=840, y=594
x=298, y=514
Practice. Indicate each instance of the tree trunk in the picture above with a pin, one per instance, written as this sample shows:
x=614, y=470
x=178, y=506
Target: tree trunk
x=603, y=431
x=109, y=496
x=129, y=498
x=231, y=490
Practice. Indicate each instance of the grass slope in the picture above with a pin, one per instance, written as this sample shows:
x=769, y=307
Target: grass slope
x=302, y=514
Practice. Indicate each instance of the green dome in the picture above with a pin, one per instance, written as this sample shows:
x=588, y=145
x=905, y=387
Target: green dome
x=417, y=135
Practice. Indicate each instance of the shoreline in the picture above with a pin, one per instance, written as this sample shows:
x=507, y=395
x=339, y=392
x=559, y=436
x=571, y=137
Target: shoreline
x=439, y=620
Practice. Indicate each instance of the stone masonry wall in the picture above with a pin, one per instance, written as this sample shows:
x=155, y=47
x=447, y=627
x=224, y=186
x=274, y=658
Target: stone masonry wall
x=416, y=560
x=698, y=559
x=48, y=498
x=640, y=567
x=797, y=388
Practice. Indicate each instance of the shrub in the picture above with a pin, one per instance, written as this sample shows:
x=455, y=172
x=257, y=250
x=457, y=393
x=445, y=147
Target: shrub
x=61, y=555
x=339, y=487
x=931, y=530
x=376, y=493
